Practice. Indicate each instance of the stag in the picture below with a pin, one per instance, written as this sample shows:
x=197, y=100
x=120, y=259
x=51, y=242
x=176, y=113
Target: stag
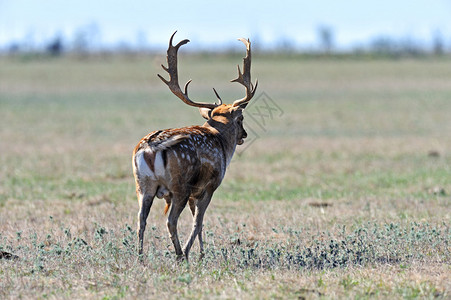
x=186, y=165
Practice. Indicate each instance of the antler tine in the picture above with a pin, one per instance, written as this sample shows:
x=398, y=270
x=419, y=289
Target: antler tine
x=173, y=82
x=244, y=78
x=217, y=96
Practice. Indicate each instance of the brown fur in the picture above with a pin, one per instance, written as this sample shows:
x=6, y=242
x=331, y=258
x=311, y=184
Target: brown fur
x=166, y=208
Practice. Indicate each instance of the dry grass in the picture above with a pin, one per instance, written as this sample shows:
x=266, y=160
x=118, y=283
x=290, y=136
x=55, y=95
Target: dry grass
x=347, y=194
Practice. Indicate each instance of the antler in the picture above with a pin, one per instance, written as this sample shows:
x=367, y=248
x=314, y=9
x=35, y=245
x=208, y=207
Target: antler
x=173, y=82
x=245, y=77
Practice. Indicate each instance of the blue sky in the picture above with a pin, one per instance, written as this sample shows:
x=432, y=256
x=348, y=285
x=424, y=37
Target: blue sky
x=218, y=23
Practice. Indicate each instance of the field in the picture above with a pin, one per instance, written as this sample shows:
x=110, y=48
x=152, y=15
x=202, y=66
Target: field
x=342, y=189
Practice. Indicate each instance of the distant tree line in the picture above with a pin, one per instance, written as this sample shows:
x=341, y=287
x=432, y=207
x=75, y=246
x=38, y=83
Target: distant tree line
x=85, y=42
x=383, y=45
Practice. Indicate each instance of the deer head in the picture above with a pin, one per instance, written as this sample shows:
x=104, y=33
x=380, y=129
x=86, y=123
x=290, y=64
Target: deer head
x=224, y=117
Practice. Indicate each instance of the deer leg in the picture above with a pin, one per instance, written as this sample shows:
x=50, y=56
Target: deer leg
x=201, y=242
x=145, y=202
x=173, y=217
x=198, y=218
x=192, y=206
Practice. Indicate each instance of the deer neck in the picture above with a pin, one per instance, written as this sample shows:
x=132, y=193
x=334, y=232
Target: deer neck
x=226, y=134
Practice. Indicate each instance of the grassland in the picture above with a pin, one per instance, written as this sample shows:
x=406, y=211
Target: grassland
x=343, y=191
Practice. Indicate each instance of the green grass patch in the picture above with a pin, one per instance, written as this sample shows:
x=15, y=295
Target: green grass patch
x=344, y=193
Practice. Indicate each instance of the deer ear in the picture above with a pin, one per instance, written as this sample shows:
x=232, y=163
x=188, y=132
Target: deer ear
x=205, y=113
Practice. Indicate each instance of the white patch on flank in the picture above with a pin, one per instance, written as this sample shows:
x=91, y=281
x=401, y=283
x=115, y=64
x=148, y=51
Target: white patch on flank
x=142, y=166
x=183, y=155
x=187, y=157
x=158, y=165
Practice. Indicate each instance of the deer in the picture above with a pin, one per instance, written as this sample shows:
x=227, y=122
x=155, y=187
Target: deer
x=186, y=165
